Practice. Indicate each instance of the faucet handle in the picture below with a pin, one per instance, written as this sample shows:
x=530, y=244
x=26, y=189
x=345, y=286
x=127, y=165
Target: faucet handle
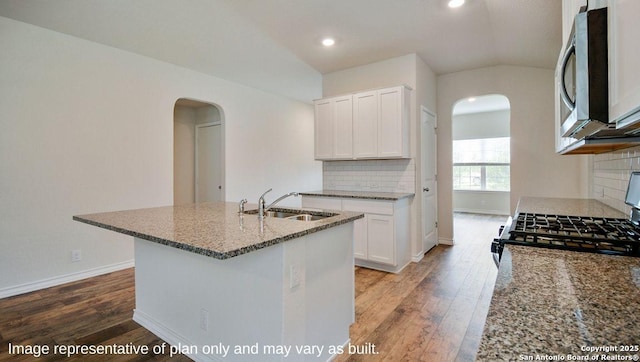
x=241, y=206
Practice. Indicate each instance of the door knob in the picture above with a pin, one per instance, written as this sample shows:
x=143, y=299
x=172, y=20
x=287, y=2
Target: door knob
x=426, y=189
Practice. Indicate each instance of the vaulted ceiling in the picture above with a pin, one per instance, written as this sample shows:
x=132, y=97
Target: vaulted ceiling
x=480, y=33
x=276, y=43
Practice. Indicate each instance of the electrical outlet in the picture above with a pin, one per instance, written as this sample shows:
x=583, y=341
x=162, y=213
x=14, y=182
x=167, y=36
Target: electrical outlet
x=76, y=255
x=295, y=277
x=204, y=319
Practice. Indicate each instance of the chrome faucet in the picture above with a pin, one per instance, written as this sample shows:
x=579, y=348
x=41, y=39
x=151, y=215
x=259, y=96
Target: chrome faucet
x=241, y=206
x=261, y=203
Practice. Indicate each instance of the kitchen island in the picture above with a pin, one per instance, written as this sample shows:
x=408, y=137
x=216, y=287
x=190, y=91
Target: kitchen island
x=217, y=285
x=563, y=305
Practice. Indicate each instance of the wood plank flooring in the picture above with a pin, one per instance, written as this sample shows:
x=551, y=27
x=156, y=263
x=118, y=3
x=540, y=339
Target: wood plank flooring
x=433, y=310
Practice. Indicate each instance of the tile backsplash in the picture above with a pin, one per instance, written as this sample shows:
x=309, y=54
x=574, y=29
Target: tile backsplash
x=611, y=176
x=370, y=175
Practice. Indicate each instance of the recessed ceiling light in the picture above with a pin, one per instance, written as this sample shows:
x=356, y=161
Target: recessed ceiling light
x=328, y=42
x=456, y=3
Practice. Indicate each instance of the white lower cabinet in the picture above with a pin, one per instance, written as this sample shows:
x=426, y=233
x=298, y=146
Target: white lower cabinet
x=381, y=238
x=360, y=234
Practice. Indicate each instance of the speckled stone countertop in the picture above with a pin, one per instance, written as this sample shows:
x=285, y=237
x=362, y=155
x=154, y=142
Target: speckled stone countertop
x=212, y=229
x=392, y=196
x=570, y=207
x=559, y=303
x=562, y=304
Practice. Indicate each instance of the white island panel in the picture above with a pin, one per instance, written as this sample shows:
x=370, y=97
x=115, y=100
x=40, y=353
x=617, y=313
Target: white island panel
x=251, y=300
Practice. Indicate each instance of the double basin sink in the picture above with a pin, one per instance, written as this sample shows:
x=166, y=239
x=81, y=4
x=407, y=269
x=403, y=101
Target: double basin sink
x=302, y=215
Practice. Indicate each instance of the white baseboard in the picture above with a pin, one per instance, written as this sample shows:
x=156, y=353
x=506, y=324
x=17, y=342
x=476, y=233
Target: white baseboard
x=344, y=348
x=417, y=258
x=482, y=211
x=62, y=279
x=382, y=267
x=175, y=339
x=166, y=334
x=442, y=241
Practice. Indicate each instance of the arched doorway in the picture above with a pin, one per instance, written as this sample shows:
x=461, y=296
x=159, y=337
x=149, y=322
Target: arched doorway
x=198, y=152
x=481, y=155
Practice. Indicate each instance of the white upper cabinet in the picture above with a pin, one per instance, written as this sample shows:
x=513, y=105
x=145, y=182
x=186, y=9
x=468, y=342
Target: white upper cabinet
x=334, y=128
x=365, y=125
x=624, y=72
x=372, y=124
x=569, y=10
x=323, y=129
x=393, y=123
x=343, y=130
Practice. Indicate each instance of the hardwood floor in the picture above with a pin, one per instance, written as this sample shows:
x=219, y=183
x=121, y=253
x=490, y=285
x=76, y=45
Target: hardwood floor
x=93, y=311
x=433, y=310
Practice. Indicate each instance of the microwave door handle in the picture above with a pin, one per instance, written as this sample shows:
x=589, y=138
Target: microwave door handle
x=563, y=87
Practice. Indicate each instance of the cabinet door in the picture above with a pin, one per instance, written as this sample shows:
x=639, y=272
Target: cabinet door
x=365, y=125
x=323, y=129
x=381, y=239
x=624, y=73
x=360, y=238
x=391, y=122
x=343, y=127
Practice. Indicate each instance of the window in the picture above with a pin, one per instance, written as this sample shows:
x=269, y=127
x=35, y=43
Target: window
x=482, y=164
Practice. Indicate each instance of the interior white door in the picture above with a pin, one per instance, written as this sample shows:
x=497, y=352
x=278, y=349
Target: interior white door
x=429, y=179
x=208, y=160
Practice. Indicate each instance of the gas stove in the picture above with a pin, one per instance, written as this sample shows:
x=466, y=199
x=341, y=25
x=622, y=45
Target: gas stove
x=576, y=233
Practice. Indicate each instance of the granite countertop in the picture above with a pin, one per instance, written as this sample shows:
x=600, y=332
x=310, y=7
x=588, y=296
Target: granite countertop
x=570, y=207
x=549, y=303
x=561, y=304
x=212, y=229
x=392, y=196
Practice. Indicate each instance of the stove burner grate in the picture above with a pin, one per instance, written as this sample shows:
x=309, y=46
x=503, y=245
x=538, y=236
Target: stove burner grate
x=591, y=234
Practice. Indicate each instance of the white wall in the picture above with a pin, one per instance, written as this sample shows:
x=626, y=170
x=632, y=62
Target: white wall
x=536, y=170
x=481, y=125
x=412, y=71
x=184, y=133
x=89, y=128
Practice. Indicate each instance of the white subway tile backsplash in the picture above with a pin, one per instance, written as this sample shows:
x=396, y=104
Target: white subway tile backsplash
x=370, y=175
x=611, y=173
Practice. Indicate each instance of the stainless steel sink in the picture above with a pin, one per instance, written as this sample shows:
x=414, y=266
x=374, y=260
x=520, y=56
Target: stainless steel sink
x=279, y=214
x=307, y=217
x=302, y=215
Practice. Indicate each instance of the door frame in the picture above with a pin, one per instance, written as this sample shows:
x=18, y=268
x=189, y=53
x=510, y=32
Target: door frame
x=222, y=178
x=420, y=186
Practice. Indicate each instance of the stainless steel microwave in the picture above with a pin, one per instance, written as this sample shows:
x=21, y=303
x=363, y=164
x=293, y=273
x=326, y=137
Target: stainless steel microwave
x=584, y=78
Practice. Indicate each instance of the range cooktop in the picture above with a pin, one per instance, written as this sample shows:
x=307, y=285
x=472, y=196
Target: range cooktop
x=578, y=233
